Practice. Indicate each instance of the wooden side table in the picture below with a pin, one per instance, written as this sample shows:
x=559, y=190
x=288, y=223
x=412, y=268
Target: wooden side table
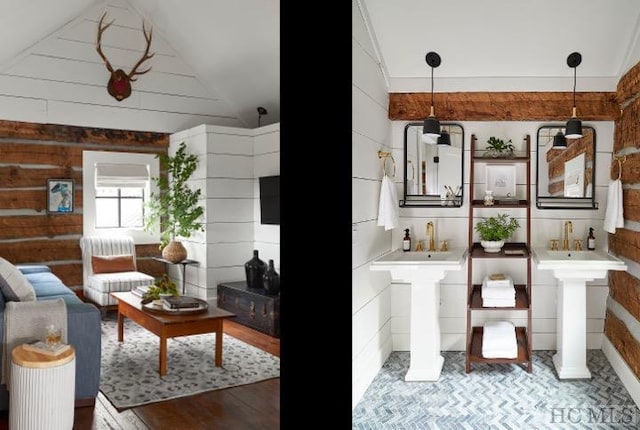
x=42, y=390
x=186, y=262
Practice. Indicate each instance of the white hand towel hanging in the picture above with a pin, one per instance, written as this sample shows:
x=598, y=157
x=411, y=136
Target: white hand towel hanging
x=614, y=216
x=388, y=205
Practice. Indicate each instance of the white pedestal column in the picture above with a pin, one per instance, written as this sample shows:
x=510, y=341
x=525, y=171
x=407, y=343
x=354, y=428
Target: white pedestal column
x=426, y=360
x=570, y=360
x=423, y=271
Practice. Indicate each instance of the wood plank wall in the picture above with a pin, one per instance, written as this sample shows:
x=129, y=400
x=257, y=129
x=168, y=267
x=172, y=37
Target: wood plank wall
x=625, y=286
x=30, y=154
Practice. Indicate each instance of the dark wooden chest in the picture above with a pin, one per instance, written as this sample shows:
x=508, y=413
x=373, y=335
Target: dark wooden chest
x=253, y=307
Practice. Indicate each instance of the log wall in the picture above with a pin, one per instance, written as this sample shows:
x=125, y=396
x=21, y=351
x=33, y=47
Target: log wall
x=625, y=286
x=504, y=106
x=32, y=153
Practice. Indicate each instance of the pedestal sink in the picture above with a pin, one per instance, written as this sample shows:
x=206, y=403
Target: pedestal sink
x=573, y=269
x=423, y=270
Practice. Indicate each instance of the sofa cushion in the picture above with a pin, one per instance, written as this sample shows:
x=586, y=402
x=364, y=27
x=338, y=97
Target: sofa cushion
x=112, y=263
x=47, y=284
x=32, y=268
x=13, y=284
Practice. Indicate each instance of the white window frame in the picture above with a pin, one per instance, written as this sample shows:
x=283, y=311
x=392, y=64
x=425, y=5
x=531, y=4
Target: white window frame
x=89, y=160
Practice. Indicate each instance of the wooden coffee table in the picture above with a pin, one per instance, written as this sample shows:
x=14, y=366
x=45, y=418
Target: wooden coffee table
x=166, y=326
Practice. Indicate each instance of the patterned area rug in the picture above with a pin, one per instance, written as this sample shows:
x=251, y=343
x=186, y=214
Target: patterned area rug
x=497, y=396
x=129, y=373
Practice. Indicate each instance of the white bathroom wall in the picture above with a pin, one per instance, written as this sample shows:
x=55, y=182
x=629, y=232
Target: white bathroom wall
x=452, y=224
x=230, y=161
x=371, y=326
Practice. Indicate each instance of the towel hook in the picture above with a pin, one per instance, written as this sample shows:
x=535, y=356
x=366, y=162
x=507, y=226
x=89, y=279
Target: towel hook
x=384, y=155
x=620, y=160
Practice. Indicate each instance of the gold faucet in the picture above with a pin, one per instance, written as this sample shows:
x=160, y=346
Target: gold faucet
x=430, y=232
x=568, y=228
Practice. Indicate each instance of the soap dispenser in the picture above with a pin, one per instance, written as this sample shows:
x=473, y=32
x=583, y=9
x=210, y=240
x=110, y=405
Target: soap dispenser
x=406, y=242
x=591, y=240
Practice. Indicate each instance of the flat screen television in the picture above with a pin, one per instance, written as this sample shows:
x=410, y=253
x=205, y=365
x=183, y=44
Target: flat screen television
x=270, y=199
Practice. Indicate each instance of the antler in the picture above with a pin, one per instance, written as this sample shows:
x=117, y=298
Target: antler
x=101, y=30
x=145, y=56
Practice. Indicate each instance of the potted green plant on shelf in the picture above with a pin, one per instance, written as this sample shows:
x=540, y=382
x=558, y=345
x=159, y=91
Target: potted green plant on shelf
x=499, y=148
x=494, y=230
x=175, y=206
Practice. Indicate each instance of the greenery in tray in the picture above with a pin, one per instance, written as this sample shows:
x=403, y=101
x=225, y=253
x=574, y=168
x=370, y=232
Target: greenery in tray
x=498, y=147
x=495, y=228
x=162, y=285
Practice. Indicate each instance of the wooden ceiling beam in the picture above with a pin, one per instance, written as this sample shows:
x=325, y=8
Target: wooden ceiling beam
x=504, y=106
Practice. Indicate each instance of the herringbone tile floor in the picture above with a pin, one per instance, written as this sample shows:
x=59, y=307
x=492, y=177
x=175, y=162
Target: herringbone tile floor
x=497, y=396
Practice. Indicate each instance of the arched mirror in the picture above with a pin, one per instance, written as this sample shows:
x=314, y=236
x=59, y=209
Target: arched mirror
x=433, y=170
x=565, y=169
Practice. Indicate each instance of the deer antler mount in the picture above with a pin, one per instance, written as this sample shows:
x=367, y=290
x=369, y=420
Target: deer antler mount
x=119, y=85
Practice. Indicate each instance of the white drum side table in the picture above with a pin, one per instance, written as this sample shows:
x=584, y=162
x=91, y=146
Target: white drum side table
x=42, y=390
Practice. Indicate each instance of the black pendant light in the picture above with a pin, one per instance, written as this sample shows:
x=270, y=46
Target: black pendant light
x=261, y=111
x=559, y=141
x=431, y=126
x=445, y=138
x=574, y=125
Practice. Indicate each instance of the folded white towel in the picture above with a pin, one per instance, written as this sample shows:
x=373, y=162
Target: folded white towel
x=499, y=327
x=501, y=283
x=506, y=294
x=498, y=282
x=614, y=216
x=388, y=205
x=501, y=292
x=499, y=303
x=501, y=353
x=499, y=340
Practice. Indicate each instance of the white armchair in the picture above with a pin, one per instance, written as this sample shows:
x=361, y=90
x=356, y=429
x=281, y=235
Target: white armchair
x=109, y=265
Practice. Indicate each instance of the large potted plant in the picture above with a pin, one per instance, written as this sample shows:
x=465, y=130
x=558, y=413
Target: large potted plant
x=494, y=230
x=175, y=205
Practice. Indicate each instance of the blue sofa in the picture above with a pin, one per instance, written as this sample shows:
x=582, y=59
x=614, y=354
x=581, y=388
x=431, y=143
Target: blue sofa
x=83, y=332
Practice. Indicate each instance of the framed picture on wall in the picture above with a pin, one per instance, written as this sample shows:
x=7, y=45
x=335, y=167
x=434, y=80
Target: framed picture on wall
x=501, y=179
x=59, y=195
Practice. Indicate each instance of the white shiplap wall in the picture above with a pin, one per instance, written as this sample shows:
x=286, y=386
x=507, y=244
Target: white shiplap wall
x=62, y=80
x=452, y=224
x=230, y=161
x=371, y=326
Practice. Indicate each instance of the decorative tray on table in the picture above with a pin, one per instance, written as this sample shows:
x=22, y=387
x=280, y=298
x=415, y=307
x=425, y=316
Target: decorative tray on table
x=182, y=305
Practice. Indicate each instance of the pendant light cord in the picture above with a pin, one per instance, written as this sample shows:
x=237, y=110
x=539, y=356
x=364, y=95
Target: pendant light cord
x=574, y=86
x=431, y=86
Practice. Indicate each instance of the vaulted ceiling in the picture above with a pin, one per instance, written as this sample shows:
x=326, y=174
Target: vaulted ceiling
x=504, y=45
x=230, y=48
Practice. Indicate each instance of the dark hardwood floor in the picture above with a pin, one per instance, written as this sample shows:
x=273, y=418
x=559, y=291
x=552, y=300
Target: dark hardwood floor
x=247, y=407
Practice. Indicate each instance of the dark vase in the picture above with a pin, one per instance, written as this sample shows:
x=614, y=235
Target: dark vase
x=271, y=280
x=254, y=270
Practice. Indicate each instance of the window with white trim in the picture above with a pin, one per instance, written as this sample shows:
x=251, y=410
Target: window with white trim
x=116, y=186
